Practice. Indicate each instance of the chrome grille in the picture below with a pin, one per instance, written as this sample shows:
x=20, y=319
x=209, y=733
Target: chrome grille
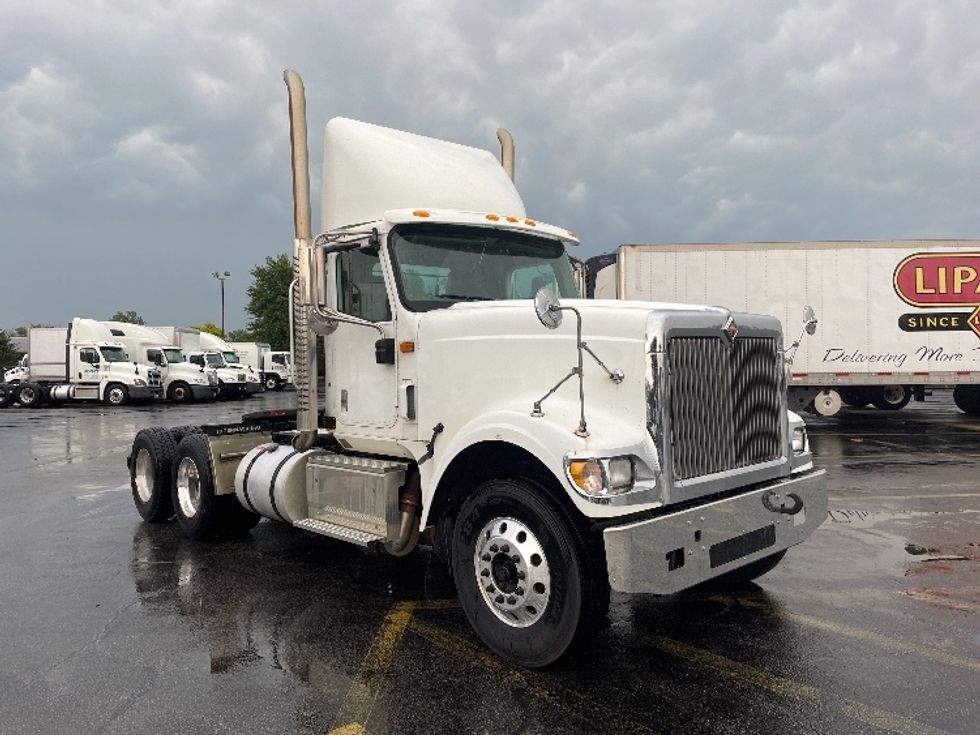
x=725, y=404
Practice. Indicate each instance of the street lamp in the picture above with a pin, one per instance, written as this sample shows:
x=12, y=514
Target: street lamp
x=221, y=277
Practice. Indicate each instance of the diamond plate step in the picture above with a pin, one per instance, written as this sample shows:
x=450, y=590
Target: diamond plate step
x=333, y=530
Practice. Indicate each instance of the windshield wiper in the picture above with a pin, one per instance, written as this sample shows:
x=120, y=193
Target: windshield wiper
x=460, y=297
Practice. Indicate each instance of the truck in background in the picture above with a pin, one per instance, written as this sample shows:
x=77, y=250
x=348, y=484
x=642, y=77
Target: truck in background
x=897, y=317
x=549, y=447
x=233, y=380
x=182, y=380
x=275, y=368
x=81, y=362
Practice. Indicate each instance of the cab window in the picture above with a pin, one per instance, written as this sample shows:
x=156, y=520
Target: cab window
x=361, y=287
x=89, y=355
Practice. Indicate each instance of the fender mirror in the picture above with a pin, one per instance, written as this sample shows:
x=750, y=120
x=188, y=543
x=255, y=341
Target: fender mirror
x=547, y=308
x=810, y=320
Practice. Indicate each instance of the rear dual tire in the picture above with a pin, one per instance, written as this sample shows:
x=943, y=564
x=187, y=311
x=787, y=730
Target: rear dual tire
x=967, y=399
x=151, y=466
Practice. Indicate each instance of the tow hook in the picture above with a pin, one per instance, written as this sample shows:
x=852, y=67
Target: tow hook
x=771, y=498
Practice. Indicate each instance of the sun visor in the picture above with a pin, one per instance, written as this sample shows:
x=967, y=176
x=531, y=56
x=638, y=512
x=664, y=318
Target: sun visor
x=369, y=169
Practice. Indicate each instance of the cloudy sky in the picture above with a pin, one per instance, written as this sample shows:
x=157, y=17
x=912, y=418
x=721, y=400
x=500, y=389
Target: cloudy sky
x=144, y=144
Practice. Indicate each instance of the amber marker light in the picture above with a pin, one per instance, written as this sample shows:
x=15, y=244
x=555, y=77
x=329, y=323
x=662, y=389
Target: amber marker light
x=493, y=217
x=406, y=347
x=572, y=234
x=512, y=219
x=530, y=223
x=420, y=213
x=587, y=475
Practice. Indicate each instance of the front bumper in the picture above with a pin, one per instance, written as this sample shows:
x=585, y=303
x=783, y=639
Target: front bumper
x=145, y=392
x=251, y=388
x=204, y=392
x=672, y=552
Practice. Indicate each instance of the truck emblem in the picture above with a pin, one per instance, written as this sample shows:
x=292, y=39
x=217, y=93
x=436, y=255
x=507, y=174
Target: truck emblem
x=974, y=321
x=939, y=279
x=731, y=329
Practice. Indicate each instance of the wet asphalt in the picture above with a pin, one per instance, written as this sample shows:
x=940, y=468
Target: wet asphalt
x=110, y=625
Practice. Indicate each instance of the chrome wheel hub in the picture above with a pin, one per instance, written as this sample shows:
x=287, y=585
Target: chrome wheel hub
x=188, y=487
x=512, y=572
x=144, y=475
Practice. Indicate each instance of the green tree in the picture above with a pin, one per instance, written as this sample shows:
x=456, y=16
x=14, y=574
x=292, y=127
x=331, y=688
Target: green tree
x=240, y=335
x=8, y=355
x=209, y=327
x=130, y=317
x=268, y=302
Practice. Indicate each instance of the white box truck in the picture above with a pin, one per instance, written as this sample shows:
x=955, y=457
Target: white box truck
x=275, y=368
x=897, y=317
x=182, y=380
x=234, y=381
x=81, y=362
x=551, y=448
x=248, y=379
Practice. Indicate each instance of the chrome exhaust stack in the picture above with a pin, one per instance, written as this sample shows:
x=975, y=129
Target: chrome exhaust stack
x=506, y=151
x=303, y=297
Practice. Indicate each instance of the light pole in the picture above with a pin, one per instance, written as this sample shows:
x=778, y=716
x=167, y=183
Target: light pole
x=221, y=277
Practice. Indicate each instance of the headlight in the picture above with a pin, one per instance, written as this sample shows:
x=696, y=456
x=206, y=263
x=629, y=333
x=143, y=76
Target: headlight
x=200, y=381
x=139, y=381
x=800, y=442
x=602, y=477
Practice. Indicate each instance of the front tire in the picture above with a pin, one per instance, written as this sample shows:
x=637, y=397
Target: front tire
x=30, y=395
x=179, y=392
x=7, y=395
x=150, y=472
x=272, y=382
x=116, y=394
x=531, y=583
x=967, y=399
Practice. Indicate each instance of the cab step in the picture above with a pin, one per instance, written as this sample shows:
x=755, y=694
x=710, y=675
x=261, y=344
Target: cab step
x=341, y=533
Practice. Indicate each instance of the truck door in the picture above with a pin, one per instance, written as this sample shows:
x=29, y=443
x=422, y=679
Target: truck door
x=86, y=377
x=362, y=391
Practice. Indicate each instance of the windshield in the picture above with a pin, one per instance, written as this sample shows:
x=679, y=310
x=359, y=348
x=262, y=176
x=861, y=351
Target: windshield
x=438, y=266
x=114, y=354
x=231, y=357
x=174, y=355
x=214, y=359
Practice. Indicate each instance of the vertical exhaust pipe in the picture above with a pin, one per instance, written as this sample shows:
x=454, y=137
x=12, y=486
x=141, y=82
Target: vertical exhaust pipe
x=303, y=296
x=506, y=151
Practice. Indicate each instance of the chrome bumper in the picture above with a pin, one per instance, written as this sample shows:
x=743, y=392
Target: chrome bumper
x=670, y=553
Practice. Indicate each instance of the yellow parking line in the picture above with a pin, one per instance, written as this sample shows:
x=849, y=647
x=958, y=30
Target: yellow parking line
x=787, y=687
x=933, y=654
x=597, y=716
x=357, y=705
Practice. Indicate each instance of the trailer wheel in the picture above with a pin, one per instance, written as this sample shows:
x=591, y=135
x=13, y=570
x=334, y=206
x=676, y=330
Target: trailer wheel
x=29, y=395
x=116, y=394
x=150, y=473
x=891, y=397
x=967, y=399
x=6, y=396
x=272, y=382
x=744, y=575
x=827, y=402
x=179, y=392
x=855, y=397
x=530, y=582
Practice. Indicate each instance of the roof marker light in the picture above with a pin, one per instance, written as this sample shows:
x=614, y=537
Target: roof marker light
x=420, y=213
x=493, y=217
x=512, y=219
x=530, y=222
x=572, y=234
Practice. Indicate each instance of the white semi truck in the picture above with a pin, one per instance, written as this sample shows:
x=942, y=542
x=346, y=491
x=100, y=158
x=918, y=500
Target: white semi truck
x=80, y=362
x=549, y=447
x=182, y=380
x=234, y=381
x=897, y=316
x=248, y=379
x=275, y=368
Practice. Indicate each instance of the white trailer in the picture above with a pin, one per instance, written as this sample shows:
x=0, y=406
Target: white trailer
x=81, y=362
x=275, y=368
x=182, y=380
x=551, y=448
x=896, y=316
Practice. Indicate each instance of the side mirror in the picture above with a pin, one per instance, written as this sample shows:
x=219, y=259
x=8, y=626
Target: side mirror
x=810, y=320
x=548, y=309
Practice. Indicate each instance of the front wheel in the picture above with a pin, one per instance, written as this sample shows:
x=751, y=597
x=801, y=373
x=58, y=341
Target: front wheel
x=272, y=382
x=116, y=394
x=179, y=392
x=530, y=582
x=29, y=395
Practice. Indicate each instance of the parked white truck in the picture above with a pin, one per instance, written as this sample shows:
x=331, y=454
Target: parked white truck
x=549, y=447
x=182, y=380
x=81, y=362
x=233, y=381
x=897, y=317
x=274, y=368
x=248, y=379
